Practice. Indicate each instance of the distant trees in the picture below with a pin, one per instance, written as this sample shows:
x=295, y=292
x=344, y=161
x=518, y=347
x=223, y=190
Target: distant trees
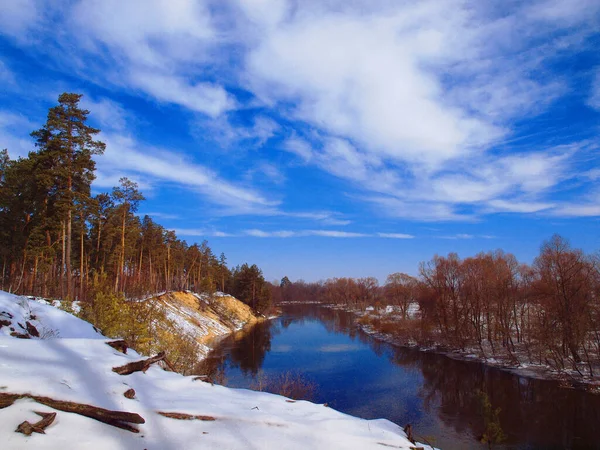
x=57, y=240
x=249, y=286
x=547, y=313
x=401, y=290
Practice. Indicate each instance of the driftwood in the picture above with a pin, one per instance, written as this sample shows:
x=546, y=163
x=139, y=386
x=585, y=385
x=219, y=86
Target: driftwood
x=409, y=433
x=27, y=428
x=139, y=366
x=184, y=416
x=119, y=419
x=119, y=345
x=129, y=393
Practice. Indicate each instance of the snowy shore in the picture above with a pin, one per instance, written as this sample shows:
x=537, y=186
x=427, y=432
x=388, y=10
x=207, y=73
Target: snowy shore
x=71, y=362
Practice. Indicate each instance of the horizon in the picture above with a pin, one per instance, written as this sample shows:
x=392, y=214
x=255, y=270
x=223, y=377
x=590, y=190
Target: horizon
x=328, y=139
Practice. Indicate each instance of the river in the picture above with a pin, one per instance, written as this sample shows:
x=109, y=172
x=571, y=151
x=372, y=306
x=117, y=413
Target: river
x=440, y=397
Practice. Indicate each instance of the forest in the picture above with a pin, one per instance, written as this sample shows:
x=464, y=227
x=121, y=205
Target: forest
x=547, y=313
x=58, y=240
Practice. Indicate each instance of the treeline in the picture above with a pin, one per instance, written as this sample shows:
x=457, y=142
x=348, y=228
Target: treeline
x=57, y=240
x=545, y=313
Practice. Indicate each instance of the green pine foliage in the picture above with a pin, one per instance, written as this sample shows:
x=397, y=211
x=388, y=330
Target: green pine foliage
x=57, y=240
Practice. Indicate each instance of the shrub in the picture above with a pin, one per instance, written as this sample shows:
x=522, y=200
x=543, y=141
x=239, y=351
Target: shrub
x=290, y=384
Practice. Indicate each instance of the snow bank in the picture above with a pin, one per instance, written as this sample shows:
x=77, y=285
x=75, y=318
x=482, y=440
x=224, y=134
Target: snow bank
x=76, y=365
x=48, y=320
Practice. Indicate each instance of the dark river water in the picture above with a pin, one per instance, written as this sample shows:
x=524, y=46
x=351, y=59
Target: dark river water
x=438, y=396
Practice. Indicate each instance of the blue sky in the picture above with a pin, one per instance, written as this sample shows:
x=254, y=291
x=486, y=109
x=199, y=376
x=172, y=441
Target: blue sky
x=322, y=138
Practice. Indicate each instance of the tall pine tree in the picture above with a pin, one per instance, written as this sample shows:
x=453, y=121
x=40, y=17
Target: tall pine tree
x=69, y=141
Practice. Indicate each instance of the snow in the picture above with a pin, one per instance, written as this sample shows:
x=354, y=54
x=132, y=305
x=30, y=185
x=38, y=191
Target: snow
x=75, y=364
x=48, y=320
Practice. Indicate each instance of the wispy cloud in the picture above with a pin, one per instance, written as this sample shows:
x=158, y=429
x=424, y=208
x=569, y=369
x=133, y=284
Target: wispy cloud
x=159, y=215
x=467, y=236
x=125, y=155
x=414, y=105
x=395, y=235
x=594, y=100
x=14, y=133
x=201, y=232
x=322, y=233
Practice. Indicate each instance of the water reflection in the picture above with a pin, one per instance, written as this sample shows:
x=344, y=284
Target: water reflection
x=438, y=395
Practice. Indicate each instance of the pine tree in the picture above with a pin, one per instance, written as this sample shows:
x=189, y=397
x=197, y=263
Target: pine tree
x=129, y=197
x=68, y=141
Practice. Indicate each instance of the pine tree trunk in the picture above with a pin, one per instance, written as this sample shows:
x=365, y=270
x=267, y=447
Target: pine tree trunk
x=3, y=272
x=62, y=263
x=139, y=275
x=81, y=273
x=98, y=242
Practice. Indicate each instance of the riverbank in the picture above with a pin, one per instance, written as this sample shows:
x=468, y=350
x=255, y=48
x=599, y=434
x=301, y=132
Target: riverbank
x=565, y=378
x=108, y=396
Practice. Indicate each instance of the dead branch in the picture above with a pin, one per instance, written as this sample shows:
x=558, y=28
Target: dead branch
x=139, y=366
x=168, y=364
x=32, y=330
x=119, y=345
x=184, y=416
x=129, y=393
x=119, y=419
x=20, y=335
x=27, y=428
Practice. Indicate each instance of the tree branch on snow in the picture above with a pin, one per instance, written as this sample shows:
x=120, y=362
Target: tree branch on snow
x=139, y=366
x=28, y=428
x=119, y=419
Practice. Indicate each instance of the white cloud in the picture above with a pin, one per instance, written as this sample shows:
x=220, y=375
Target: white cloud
x=264, y=171
x=206, y=98
x=405, y=101
x=361, y=77
x=6, y=75
x=195, y=232
x=594, y=100
x=14, y=134
x=395, y=235
x=303, y=233
x=17, y=17
x=228, y=135
x=518, y=206
x=124, y=155
x=577, y=210
x=325, y=217
x=109, y=114
x=151, y=33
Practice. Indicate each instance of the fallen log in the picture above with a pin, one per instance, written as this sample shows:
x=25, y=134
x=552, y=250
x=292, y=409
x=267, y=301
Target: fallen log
x=119, y=419
x=28, y=428
x=185, y=416
x=119, y=345
x=139, y=366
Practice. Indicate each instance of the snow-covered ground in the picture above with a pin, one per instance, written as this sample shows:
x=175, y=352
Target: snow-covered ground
x=72, y=362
